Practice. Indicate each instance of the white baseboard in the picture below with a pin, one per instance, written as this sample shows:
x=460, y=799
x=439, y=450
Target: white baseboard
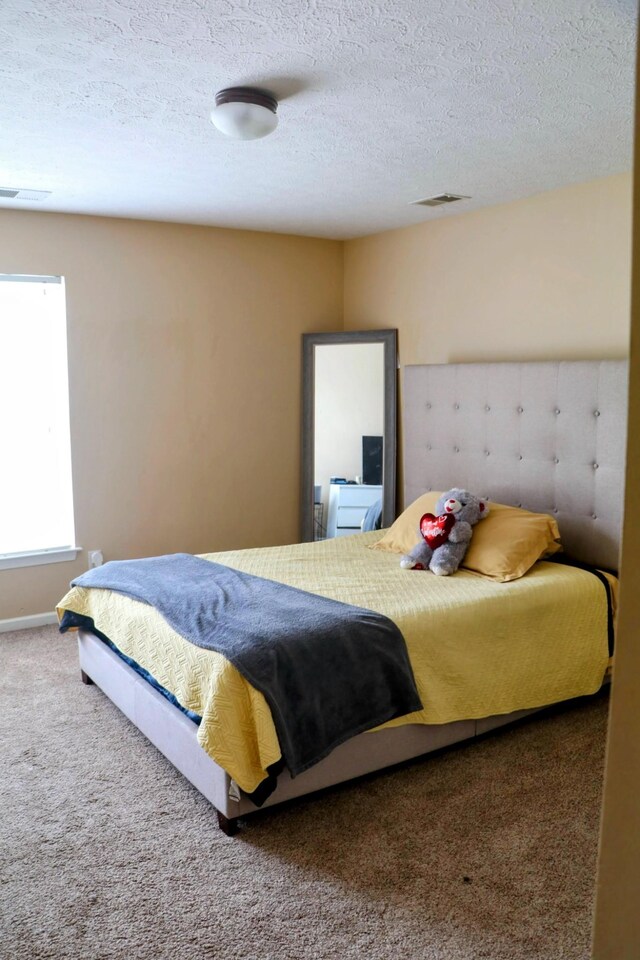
x=24, y=623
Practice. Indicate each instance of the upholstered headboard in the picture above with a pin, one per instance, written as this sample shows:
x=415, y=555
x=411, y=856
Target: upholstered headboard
x=549, y=436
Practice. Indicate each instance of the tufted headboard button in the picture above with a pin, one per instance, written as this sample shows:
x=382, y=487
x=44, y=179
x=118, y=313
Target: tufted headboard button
x=557, y=411
x=520, y=409
x=596, y=413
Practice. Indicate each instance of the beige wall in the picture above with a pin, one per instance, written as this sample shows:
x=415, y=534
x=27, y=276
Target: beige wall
x=537, y=279
x=184, y=347
x=617, y=916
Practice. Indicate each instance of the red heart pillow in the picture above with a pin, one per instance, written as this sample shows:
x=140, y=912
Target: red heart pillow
x=436, y=530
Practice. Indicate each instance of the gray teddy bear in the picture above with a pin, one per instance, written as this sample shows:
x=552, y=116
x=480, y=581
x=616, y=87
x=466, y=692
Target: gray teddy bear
x=445, y=536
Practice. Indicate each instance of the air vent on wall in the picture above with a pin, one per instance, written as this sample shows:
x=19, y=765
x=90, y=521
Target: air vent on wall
x=439, y=200
x=17, y=193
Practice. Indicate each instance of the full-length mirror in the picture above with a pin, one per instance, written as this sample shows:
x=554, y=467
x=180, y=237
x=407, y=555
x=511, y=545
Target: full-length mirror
x=348, y=432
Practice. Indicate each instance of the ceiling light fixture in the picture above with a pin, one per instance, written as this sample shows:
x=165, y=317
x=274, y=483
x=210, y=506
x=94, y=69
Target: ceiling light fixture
x=439, y=200
x=245, y=113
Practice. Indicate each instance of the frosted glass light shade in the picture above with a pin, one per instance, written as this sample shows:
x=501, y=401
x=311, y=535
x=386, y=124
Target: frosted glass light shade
x=244, y=114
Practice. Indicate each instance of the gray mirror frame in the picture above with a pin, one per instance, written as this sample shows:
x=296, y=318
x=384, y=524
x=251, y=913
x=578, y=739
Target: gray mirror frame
x=389, y=339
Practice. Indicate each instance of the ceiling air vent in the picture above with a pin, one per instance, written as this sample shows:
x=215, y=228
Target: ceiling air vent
x=438, y=201
x=17, y=193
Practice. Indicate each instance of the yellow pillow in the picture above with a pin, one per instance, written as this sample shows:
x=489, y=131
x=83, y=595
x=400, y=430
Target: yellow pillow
x=503, y=547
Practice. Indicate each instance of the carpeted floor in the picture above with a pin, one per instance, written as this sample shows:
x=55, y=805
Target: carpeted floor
x=485, y=851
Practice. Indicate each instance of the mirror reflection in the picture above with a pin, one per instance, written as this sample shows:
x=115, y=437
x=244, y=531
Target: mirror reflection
x=348, y=470
x=348, y=438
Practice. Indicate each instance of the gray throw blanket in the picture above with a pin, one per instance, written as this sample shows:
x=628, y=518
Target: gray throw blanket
x=328, y=670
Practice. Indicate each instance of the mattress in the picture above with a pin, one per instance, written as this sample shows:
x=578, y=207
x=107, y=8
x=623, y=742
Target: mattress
x=477, y=647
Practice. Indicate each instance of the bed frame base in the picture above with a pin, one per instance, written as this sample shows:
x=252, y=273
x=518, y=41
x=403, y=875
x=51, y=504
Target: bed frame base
x=228, y=825
x=175, y=736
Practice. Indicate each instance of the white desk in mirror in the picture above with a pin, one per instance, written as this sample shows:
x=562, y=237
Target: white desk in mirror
x=348, y=504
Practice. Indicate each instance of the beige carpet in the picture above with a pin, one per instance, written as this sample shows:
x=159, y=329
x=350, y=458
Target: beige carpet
x=485, y=851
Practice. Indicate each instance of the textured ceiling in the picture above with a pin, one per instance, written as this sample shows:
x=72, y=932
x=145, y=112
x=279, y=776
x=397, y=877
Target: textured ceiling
x=382, y=102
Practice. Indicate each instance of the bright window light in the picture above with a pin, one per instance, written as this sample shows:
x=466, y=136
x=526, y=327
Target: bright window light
x=36, y=498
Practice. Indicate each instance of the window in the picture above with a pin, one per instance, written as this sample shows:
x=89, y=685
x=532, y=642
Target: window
x=36, y=500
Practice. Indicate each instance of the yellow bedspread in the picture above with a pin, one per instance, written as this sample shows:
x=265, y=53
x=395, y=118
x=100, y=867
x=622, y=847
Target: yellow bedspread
x=477, y=647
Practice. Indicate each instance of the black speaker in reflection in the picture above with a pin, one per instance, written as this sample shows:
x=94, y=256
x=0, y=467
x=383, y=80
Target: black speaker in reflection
x=372, y=460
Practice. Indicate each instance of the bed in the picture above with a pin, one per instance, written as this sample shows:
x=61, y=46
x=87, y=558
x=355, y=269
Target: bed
x=549, y=437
